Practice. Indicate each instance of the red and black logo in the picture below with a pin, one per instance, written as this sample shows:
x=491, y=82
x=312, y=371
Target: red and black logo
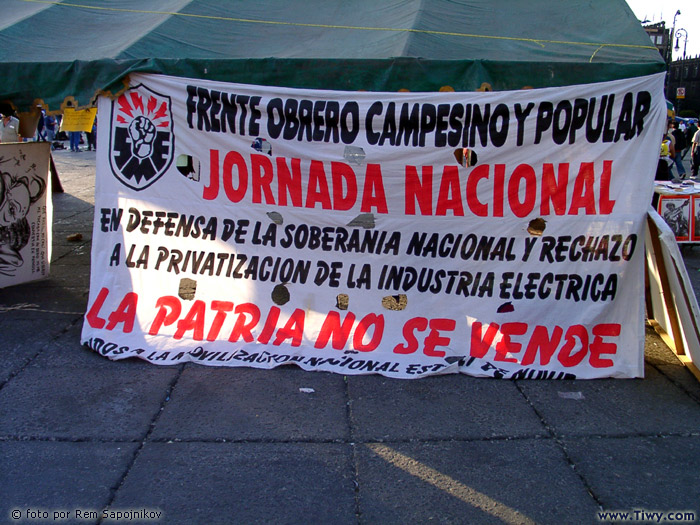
x=142, y=140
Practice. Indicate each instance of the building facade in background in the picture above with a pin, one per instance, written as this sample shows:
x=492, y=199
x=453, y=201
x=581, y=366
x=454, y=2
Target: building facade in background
x=683, y=85
x=683, y=80
x=660, y=37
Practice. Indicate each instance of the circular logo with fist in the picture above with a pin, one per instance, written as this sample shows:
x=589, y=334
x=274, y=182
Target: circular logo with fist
x=142, y=140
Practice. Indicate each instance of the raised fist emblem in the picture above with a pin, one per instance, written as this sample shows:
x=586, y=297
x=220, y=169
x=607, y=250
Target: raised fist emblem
x=142, y=132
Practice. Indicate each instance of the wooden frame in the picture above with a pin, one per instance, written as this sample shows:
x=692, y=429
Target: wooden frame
x=674, y=312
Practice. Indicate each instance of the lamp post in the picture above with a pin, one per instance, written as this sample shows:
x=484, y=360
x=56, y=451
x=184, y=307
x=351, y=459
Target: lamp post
x=673, y=31
x=685, y=40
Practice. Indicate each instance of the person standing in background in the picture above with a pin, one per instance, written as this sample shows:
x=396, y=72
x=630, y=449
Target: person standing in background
x=41, y=127
x=92, y=136
x=678, y=145
x=74, y=137
x=666, y=155
x=9, y=129
x=689, y=134
x=695, y=154
x=50, y=125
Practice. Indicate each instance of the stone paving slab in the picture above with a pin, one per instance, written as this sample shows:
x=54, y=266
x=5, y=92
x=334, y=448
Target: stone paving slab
x=651, y=473
x=682, y=378
x=68, y=404
x=442, y=407
x=250, y=404
x=23, y=340
x=503, y=481
x=66, y=206
x=33, y=303
x=78, y=217
x=60, y=476
x=653, y=405
x=65, y=351
x=64, y=276
x=77, y=257
x=224, y=483
x=655, y=350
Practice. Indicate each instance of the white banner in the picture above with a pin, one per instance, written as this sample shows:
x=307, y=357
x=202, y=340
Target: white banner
x=406, y=234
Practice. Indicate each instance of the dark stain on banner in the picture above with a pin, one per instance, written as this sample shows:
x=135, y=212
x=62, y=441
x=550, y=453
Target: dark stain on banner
x=342, y=301
x=395, y=302
x=280, y=294
x=536, y=226
x=187, y=289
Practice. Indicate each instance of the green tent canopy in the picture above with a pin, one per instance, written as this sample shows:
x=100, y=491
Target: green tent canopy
x=55, y=50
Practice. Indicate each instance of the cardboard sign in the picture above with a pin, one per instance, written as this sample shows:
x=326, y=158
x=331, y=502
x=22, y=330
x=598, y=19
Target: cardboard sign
x=28, y=122
x=25, y=212
x=82, y=120
x=243, y=225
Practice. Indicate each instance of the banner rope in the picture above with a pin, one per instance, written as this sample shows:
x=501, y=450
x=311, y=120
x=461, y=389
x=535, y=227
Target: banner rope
x=539, y=41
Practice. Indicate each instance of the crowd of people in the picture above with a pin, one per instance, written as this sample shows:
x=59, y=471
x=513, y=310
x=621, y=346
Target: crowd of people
x=47, y=130
x=680, y=139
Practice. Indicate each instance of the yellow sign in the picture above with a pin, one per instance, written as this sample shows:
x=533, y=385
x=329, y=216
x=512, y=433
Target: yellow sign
x=78, y=120
x=680, y=92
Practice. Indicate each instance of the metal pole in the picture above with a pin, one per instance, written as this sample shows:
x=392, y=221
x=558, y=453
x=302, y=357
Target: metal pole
x=673, y=32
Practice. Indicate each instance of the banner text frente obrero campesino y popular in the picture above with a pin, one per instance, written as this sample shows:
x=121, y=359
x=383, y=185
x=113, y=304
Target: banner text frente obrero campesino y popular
x=405, y=234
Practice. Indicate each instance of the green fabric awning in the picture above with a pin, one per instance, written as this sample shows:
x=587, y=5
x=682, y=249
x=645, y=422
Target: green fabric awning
x=72, y=50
